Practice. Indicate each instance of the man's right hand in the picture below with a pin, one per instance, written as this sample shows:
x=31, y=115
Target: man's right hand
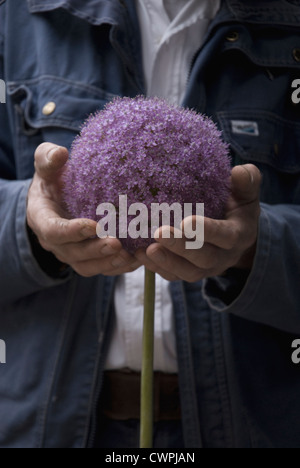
x=73, y=241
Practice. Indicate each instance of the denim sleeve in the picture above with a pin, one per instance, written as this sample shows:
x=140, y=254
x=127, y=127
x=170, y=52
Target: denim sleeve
x=20, y=274
x=271, y=293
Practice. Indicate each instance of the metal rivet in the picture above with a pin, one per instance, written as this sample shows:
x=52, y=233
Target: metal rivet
x=233, y=36
x=296, y=54
x=49, y=108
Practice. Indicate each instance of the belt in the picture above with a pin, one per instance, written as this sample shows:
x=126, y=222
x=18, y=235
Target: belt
x=120, y=398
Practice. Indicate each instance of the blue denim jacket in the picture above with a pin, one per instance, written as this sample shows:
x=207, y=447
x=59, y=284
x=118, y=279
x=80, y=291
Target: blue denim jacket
x=239, y=387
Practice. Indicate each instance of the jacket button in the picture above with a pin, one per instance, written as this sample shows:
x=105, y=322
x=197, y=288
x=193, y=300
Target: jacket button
x=233, y=36
x=296, y=54
x=49, y=108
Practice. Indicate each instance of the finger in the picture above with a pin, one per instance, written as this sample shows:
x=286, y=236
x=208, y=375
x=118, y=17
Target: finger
x=164, y=274
x=142, y=256
x=129, y=268
x=50, y=160
x=156, y=264
x=190, y=270
x=91, y=249
x=207, y=262
x=245, y=182
x=112, y=266
x=57, y=231
x=224, y=234
x=205, y=258
x=165, y=236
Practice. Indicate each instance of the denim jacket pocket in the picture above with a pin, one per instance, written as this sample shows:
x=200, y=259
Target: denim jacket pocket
x=49, y=109
x=272, y=144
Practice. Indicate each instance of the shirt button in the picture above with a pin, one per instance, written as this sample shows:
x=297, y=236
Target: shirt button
x=233, y=36
x=296, y=54
x=49, y=108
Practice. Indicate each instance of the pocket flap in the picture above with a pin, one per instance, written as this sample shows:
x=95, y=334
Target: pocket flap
x=70, y=102
x=263, y=137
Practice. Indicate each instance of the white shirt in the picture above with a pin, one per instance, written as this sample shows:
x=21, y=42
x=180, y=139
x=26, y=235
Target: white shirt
x=172, y=32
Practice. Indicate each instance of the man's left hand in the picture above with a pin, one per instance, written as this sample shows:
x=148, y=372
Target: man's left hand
x=229, y=243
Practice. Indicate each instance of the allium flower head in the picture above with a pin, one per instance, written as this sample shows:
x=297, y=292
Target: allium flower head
x=151, y=151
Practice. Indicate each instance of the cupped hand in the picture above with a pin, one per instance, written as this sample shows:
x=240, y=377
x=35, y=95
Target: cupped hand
x=73, y=242
x=228, y=243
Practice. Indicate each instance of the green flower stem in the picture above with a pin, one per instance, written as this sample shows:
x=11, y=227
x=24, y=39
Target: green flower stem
x=147, y=390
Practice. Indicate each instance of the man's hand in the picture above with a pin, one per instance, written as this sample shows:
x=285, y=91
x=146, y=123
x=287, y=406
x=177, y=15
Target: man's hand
x=228, y=243
x=71, y=241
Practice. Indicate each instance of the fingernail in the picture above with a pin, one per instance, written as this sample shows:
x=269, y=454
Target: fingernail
x=250, y=175
x=158, y=256
x=134, y=266
x=108, y=250
x=169, y=241
x=51, y=153
x=118, y=262
x=157, y=234
x=166, y=236
x=88, y=231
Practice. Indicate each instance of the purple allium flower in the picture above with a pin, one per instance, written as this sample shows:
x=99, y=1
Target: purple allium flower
x=151, y=151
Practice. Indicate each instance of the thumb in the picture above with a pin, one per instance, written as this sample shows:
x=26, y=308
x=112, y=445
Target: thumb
x=50, y=160
x=245, y=182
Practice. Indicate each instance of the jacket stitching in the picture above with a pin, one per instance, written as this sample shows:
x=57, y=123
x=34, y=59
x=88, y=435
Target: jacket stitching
x=269, y=62
x=71, y=9
x=240, y=113
x=12, y=85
